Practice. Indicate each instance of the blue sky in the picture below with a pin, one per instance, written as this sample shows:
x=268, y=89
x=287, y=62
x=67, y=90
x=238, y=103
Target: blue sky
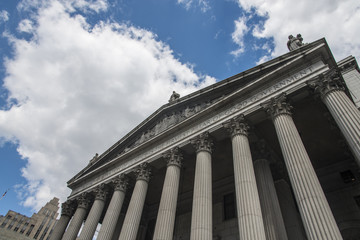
x=77, y=75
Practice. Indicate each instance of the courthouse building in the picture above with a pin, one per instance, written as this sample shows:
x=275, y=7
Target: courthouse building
x=272, y=153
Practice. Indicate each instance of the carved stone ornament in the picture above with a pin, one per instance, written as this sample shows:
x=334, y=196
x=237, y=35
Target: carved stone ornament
x=143, y=172
x=121, y=183
x=67, y=208
x=295, y=42
x=169, y=120
x=327, y=83
x=83, y=201
x=277, y=106
x=203, y=142
x=101, y=192
x=173, y=157
x=237, y=126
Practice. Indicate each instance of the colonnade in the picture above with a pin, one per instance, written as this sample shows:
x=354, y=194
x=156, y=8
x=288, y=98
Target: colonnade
x=258, y=207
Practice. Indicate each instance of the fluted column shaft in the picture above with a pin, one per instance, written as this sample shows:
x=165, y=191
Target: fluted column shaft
x=249, y=214
x=347, y=117
x=133, y=215
x=112, y=214
x=201, y=219
x=273, y=221
x=66, y=213
x=315, y=211
x=78, y=218
x=165, y=220
x=93, y=218
x=342, y=109
x=293, y=224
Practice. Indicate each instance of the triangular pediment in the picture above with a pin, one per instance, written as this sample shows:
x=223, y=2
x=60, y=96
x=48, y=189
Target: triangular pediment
x=173, y=114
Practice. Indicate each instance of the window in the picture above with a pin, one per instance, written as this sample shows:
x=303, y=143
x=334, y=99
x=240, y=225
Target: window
x=30, y=229
x=6, y=221
x=229, y=206
x=40, y=228
x=347, y=176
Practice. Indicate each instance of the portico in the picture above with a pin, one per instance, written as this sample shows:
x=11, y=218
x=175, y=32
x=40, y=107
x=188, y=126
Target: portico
x=192, y=169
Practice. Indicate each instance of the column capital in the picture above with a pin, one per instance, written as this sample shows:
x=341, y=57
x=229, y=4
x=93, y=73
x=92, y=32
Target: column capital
x=83, y=201
x=237, y=126
x=67, y=208
x=143, y=172
x=327, y=83
x=173, y=157
x=203, y=142
x=277, y=106
x=121, y=183
x=101, y=192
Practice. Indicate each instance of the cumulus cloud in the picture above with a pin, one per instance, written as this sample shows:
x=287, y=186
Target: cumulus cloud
x=79, y=88
x=238, y=35
x=337, y=21
x=4, y=16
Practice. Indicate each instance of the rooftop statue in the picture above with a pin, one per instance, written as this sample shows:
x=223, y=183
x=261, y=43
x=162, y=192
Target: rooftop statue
x=295, y=42
x=174, y=96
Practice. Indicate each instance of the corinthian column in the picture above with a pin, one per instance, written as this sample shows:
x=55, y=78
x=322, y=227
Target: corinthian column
x=83, y=204
x=93, y=218
x=201, y=219
x=165, y=220
x=112, y=214
x=315, y=212
x=342, y=109
x=136, y=205
x=249, y=214
x=273, y=221
x=67, y=210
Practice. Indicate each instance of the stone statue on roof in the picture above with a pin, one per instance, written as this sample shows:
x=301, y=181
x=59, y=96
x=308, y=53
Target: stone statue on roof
x=96, y=157
x=174, y=96
x=295, y=42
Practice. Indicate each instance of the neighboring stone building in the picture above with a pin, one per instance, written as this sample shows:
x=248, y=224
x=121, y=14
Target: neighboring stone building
x=270, y=153
x=15, y=226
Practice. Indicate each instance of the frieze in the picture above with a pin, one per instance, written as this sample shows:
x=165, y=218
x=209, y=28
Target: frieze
x=218, y=118
x=169, y=120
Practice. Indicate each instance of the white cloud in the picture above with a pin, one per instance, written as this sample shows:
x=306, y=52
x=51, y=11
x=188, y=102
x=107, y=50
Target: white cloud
x=337, y=21
x=70, y=5
x=238, y=35
x=26, y=25
x=4, y=16
x=202, y=4
x=79, y=89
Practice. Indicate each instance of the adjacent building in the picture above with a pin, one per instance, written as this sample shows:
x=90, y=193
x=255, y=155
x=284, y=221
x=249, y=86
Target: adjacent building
x=39, y=226
x=270, y=153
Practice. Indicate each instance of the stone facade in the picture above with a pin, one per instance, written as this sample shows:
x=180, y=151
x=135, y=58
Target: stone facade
x=39, y=226
x=270, y=153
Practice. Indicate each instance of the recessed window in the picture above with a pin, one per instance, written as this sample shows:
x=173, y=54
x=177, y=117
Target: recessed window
x=229, y=206
x=348, y=176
